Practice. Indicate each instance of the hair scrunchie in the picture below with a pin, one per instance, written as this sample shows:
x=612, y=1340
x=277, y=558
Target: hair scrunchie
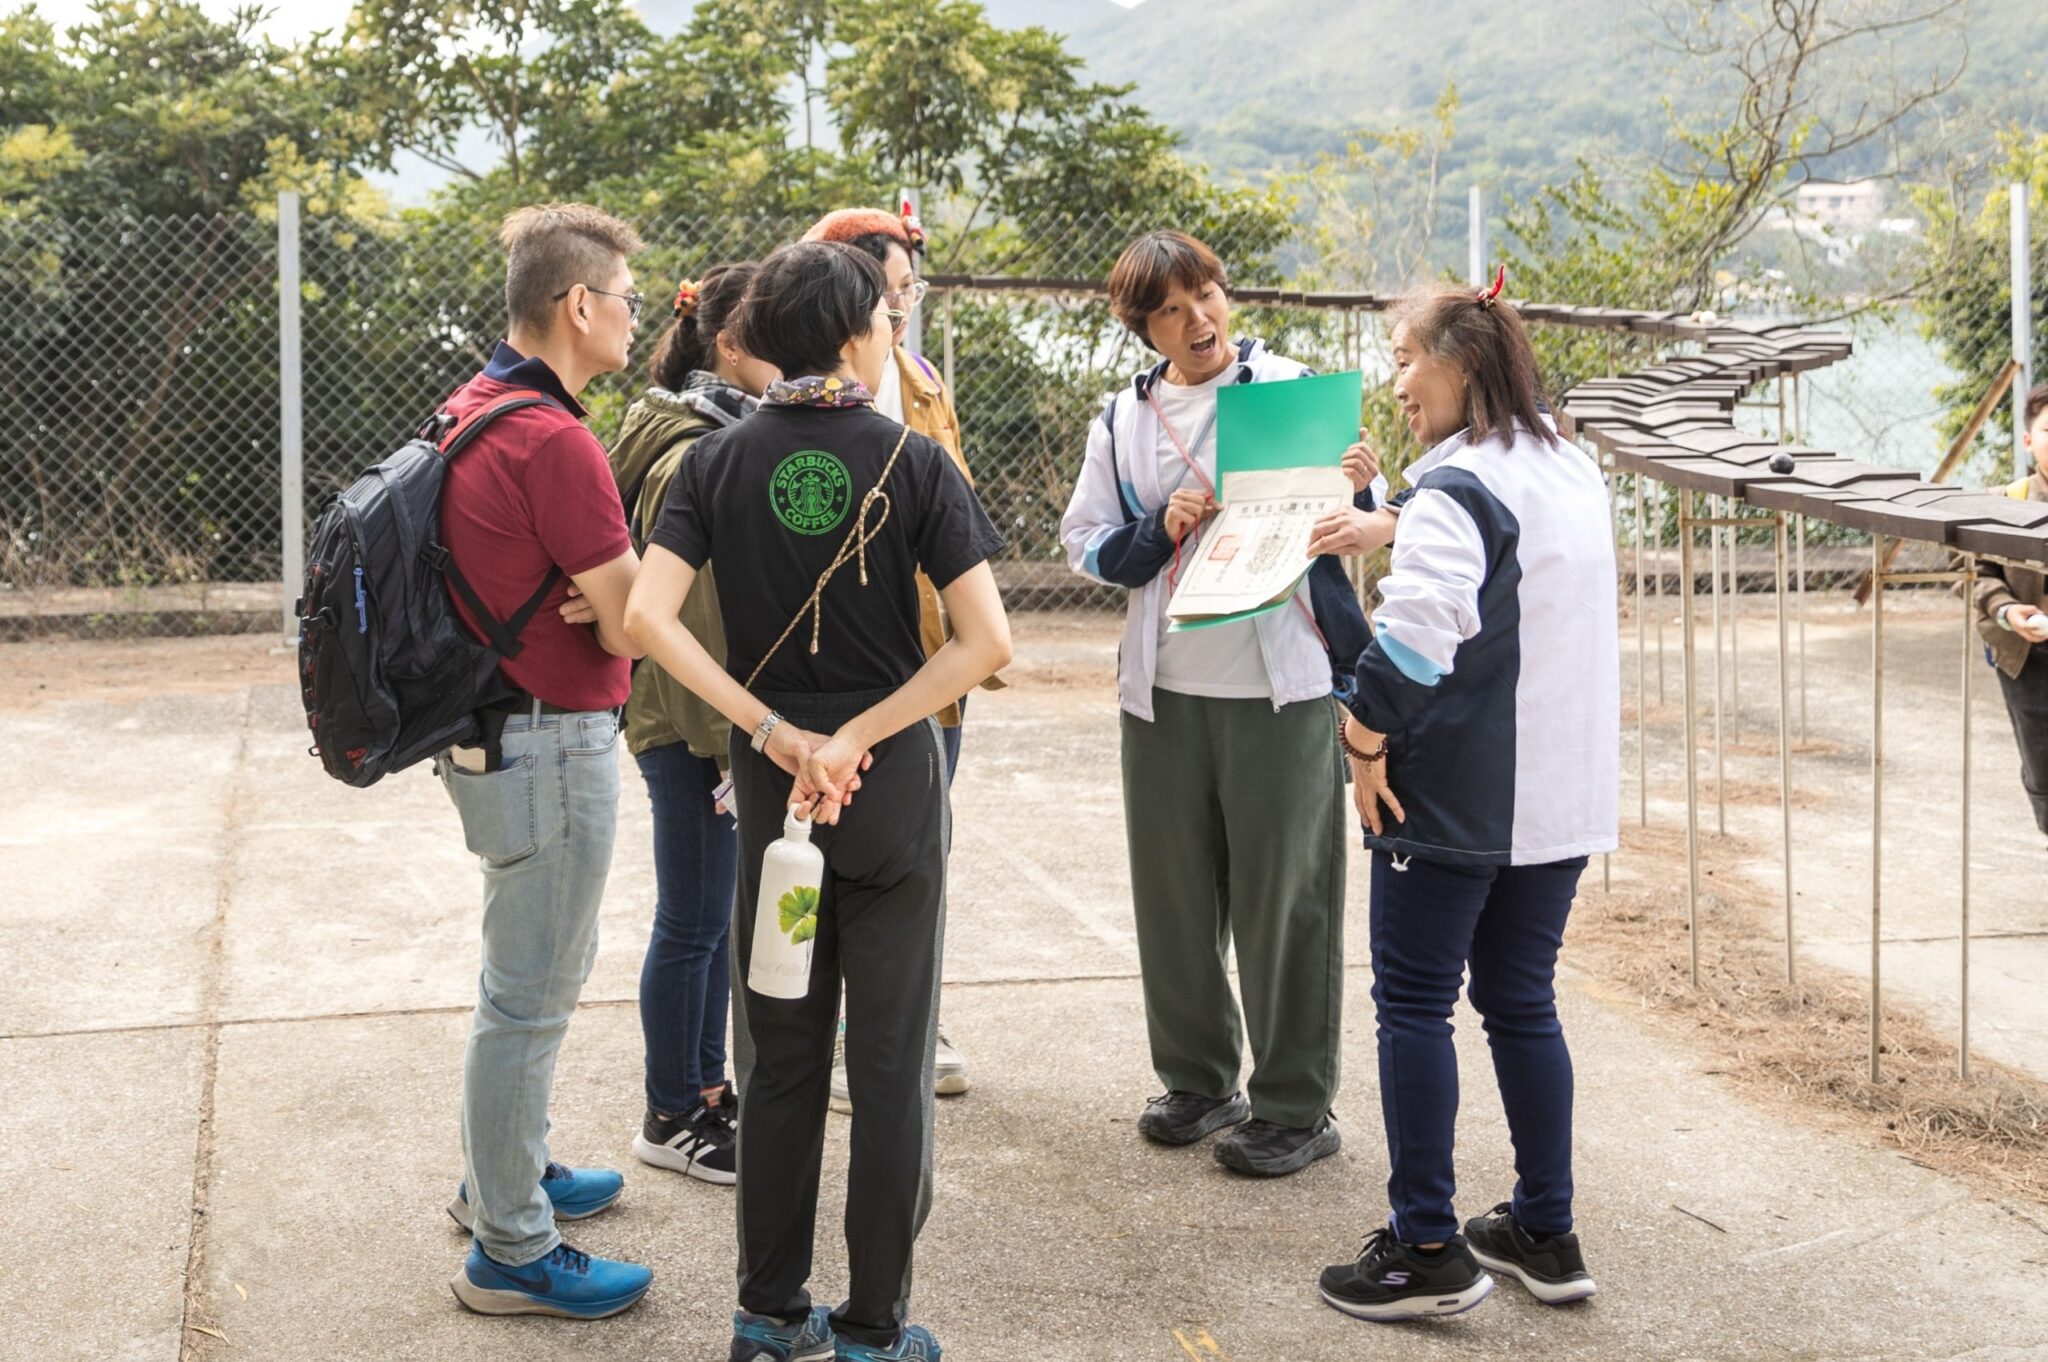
x=686, y=298
x=1487, y=296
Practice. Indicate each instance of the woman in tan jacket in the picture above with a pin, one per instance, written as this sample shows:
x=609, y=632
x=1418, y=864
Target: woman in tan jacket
x=2012, y=615
x=913, y=393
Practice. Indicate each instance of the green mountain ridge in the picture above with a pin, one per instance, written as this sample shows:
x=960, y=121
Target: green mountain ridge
x=1259, y=85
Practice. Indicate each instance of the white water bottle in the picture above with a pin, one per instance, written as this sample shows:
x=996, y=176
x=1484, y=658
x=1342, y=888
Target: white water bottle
x=786, y=911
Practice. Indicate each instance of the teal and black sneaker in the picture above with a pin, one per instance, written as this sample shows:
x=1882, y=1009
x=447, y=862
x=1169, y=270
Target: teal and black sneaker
x=573, y=1192
x=914, y=1343
x=567, y=1283
x=764, y=1338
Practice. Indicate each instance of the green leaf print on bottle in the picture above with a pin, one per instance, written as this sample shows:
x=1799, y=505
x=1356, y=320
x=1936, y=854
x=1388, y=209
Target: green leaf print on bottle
x=798, y=910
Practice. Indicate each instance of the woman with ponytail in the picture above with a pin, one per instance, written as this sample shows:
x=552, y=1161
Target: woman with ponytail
x=700, y=381
x=1484, y=741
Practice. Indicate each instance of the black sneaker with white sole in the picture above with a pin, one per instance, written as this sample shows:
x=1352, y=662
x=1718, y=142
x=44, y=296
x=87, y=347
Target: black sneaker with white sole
x=1262, y=1149
x=699, y=1144
x=1394, y=1281
x=1553, y=1269
x=1185, y=1117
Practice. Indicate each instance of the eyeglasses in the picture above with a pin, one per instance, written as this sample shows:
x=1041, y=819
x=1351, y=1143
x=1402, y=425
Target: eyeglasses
x=897, y=316
x=634, y=301
x=909, y=296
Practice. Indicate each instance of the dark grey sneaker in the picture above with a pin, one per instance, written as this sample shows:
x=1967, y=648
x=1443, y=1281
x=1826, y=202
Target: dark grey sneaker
x=1394, y=1281
x=1552, y=1269
x=1264, y=1150
x=1184, y=1117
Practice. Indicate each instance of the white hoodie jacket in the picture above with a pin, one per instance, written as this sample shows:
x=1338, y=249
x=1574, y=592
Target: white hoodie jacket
x=1114, y=532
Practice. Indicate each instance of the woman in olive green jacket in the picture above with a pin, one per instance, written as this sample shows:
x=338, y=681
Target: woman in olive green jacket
x=701, y=381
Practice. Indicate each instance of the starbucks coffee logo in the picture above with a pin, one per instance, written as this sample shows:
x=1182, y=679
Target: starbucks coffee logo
x=810, y=491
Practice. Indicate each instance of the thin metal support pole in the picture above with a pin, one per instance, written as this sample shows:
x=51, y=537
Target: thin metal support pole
x=1876, y=800
x=946, y=347
x=1720, y=673
x=1642, y=690
x=1785, y=749
x=1800, y=523
x=1969, y=567
x=291, y=425
x=1734, y=617
x=1657, y=588
x=1692, y=786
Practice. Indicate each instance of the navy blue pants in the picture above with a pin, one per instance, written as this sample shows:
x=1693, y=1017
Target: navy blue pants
x=1431, y=922
x=686, y=979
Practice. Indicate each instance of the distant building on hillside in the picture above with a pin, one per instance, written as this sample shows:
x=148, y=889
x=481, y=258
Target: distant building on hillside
x=1847, y=207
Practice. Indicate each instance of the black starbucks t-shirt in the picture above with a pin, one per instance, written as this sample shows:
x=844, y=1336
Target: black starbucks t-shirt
x=772, y=499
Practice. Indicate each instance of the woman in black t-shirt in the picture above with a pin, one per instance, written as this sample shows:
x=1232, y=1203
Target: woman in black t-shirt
x=820, y=512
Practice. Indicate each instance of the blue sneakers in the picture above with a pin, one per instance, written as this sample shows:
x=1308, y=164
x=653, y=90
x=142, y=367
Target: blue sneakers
x=914, y=1343
x=567, y=1283
x=574, y=1192
x=768, y=1339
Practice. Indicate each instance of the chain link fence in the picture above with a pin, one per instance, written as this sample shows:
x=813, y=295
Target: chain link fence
x=140, y=383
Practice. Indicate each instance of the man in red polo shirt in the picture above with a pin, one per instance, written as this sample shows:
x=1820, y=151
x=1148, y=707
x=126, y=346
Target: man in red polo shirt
x=531, y=496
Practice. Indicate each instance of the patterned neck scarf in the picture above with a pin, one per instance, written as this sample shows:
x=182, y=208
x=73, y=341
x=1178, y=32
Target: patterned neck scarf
x=817, y=390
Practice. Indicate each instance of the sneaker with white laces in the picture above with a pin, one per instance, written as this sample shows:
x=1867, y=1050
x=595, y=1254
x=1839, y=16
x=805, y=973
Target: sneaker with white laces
x=949, y=1067
x=699, y=1144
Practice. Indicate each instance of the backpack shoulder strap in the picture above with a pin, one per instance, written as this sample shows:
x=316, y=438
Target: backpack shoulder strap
x=503, y=636
x=453, y=439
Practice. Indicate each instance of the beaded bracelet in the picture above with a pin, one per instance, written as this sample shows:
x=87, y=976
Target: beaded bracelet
x=1344, y=742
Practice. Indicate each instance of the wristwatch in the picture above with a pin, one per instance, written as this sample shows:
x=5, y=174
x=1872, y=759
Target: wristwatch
x=764, y=728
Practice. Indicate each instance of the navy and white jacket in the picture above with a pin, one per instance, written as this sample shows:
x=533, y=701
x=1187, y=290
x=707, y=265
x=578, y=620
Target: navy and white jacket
x=1496, y=669
x=1114, y=531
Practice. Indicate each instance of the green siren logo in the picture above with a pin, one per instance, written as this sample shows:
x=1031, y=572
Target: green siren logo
x=810, y=491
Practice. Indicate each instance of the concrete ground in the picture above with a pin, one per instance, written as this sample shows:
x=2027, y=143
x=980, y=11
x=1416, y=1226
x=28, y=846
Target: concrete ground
x=1923, y=881
x=233, y=1005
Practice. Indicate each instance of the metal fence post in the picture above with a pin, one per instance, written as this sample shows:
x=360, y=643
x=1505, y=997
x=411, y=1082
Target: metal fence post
x=913, y=333
x=2022, y=324
x=291, y=504
x=1475, y=237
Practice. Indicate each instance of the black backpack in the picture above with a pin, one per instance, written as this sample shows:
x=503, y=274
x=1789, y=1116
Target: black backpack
x=388, y=673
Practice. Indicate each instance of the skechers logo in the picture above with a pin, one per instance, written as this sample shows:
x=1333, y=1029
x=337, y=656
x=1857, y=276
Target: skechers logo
x=1394, y=1279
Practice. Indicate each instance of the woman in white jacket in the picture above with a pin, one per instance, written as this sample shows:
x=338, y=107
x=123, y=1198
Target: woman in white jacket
x=1485, y=749
x=1233, y=784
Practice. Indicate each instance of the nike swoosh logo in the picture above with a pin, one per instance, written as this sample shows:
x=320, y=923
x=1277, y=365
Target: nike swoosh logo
x=539, y=1285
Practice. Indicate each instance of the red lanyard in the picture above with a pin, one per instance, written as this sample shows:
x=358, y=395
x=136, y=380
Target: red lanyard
x=1173, y=577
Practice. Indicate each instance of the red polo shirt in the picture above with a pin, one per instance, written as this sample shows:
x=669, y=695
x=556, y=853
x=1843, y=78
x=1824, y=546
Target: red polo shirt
x=535, y=490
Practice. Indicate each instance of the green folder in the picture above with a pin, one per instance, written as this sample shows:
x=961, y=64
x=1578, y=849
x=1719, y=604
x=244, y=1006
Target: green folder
x=1299, y=423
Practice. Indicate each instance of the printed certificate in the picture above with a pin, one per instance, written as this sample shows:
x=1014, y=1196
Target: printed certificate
x=1253, y=554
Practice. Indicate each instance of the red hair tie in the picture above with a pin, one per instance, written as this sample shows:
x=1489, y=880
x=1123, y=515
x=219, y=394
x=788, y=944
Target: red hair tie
x=912, y=228
x=1486, y=296
x=686, y=298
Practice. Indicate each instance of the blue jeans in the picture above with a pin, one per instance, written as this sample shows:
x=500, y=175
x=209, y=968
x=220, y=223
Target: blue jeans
x=1430, y=921
x=543, y=828
x=685, y=981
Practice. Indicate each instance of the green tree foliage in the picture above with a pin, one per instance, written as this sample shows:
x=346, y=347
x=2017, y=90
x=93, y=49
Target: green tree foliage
x=1967, y=299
